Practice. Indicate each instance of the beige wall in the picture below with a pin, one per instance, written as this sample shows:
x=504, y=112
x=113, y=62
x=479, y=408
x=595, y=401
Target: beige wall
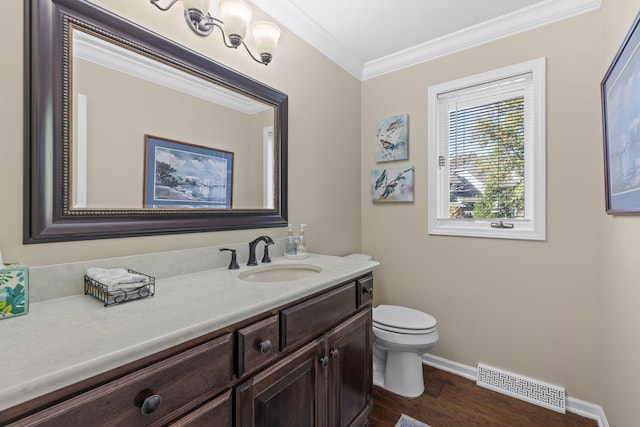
x=324, y=153
x=619, y=293
x=564, y=310
x=528, y=307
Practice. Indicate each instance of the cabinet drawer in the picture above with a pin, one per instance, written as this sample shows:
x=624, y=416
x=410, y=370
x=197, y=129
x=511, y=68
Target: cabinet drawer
x=189, y=377
x=214, y=413
x=314, y=317
x=258, y=343
x=365, y=290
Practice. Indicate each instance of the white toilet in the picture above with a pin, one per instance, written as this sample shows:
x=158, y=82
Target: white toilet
x=402, y=335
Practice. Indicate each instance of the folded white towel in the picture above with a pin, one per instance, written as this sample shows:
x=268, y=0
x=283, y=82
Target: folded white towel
x=117, y=278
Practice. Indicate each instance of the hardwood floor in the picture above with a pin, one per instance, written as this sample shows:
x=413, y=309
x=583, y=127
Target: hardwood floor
x=450, y=400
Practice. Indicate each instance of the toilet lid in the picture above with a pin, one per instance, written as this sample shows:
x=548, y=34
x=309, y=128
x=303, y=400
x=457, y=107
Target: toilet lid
x=399, y=318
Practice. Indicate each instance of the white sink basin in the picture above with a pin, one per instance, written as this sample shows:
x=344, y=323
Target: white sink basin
x=279, y=273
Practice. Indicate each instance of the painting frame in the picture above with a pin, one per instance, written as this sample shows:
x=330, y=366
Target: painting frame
x=192, y=176
x=392, y=185
x=392, y=138
x=621, y=127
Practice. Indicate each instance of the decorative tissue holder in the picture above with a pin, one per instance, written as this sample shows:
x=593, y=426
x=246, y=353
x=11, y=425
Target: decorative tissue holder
x=14, y=290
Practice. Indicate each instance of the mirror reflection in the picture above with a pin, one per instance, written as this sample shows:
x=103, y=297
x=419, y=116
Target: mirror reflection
x=218, y=150
x=131, y=134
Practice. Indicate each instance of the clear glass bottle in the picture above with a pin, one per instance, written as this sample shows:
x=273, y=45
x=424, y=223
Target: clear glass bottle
x=302, y=240
x=290, y=246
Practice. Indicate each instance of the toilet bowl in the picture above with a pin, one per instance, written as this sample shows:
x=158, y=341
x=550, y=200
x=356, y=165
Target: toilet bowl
x=402, y=336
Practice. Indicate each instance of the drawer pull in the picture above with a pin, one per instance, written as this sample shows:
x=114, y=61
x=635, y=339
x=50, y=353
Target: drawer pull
x=150, y=404
x=334, y=353
x=324, y=361
x=367, y=291
x=265, y=346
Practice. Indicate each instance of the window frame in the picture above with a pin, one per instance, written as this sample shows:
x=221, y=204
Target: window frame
x=533, y=226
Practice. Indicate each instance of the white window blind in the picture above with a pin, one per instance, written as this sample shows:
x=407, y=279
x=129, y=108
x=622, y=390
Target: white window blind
x=482, y=150
x=486, y=151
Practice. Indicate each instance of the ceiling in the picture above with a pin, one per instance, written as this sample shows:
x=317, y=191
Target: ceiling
x=369, y=38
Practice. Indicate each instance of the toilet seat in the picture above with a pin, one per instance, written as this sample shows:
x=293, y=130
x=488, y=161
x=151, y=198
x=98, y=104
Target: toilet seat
x=403, y=331
x=403, y=320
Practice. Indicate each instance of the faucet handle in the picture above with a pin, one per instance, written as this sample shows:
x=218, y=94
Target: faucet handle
x=233, y=265
x=265, y=257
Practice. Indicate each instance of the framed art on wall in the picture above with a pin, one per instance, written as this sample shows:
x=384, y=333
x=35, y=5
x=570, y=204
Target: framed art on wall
x=392, y=185
x=178, y=175
x=620, y=91
x=392, y=138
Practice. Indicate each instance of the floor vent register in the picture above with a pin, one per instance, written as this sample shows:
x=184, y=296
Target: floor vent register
x=523, y=388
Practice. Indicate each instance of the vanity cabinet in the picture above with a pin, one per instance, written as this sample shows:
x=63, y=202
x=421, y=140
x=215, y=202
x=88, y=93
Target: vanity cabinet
x=326, y=383
x=306, y=363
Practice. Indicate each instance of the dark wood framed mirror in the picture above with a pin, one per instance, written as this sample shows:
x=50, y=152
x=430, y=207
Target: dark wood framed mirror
x=85, y=154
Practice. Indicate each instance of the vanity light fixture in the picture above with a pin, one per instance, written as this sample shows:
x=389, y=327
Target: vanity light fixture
x=236, y=15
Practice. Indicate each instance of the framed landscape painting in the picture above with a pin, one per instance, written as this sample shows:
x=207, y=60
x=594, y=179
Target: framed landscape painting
x=178, y=175
x=620, y=91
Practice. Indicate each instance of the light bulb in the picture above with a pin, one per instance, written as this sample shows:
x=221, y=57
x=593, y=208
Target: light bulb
x=266, y=35
x=200, y=5
x=236, y=15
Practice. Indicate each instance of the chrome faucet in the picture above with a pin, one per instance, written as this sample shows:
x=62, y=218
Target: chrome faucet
x=252, y=249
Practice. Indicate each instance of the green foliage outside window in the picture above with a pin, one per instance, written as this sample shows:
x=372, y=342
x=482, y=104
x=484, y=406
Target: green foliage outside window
x=487, y=143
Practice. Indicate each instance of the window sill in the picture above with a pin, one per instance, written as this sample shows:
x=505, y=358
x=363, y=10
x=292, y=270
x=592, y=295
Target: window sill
x=522, y=230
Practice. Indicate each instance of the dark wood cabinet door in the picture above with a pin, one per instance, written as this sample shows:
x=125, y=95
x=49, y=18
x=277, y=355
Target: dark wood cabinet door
x=350, y=371
x=291, y=393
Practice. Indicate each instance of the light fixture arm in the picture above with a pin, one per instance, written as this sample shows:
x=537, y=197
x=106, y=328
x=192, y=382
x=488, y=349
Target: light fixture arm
x=266, y=58
x=216, y=23
x=155, y=3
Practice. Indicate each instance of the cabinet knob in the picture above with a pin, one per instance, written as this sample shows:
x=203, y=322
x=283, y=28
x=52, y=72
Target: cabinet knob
x=334, y=353
x=324, y=361
x=367, y=291
x=265, y=346
x=150, y=404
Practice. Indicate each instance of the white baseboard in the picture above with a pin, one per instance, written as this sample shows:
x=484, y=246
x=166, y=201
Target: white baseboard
x=587, y=410
x=469, y=372
x=573, y=405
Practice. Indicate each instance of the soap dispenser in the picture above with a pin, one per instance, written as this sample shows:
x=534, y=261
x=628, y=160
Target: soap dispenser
x=302, y=241
x=290, y=246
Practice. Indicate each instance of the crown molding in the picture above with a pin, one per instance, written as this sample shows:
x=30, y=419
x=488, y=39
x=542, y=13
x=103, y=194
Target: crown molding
x=526, y=19
x=534, y=16
x=308, y=30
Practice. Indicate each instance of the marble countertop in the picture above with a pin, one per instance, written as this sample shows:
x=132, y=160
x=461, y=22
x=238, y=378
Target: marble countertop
x=66, y=340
